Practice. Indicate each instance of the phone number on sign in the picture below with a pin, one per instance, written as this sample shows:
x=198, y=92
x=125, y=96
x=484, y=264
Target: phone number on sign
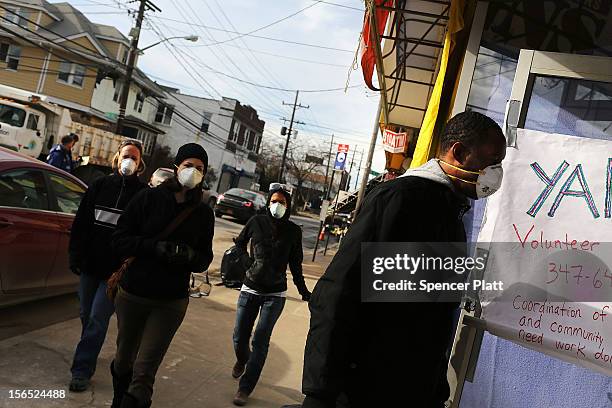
x=579, y=274
x=37, y=394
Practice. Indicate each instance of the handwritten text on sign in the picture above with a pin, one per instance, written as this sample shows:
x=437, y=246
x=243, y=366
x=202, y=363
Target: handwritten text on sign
x=549, y=235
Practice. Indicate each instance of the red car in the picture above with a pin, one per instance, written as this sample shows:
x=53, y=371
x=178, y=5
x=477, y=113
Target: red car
x=37, y=206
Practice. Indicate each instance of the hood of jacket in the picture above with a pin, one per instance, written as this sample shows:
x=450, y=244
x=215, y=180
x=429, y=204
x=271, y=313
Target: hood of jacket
x=287, y=197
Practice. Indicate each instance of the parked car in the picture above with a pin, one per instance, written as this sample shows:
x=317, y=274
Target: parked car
x=209, y=196
x=37, y=207
x=239, y=203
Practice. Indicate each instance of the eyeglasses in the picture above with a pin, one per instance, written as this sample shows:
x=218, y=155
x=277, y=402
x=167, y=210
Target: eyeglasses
x=131, y=142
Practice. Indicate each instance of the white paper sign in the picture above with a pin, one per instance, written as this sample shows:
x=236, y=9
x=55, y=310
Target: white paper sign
x=549, y=235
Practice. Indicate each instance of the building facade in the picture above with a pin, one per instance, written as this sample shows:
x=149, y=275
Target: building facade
x=229, y=131
x=54, y=50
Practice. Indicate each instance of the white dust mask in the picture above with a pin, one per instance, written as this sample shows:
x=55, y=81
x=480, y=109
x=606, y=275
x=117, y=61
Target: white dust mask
x=127, y=167
x=277, y=210
x=190, y=177
x=488, y=182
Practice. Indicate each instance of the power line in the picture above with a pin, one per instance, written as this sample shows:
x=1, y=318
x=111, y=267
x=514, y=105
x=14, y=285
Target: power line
x=263, y=27
x=263, y=97
x=254, y=36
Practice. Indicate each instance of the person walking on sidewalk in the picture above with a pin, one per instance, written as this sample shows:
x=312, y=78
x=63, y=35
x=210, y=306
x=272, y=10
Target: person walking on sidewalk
x=276, y=243
x=169, y=232
x=90, y=254
x=395, y=354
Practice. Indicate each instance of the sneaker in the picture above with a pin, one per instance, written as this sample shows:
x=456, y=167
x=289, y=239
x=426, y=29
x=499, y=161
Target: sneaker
x=241, y=398
x=79, y=384
x=238, y=370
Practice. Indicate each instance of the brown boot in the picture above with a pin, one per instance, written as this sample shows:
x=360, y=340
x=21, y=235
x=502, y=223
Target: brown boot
x=241, y=398
x=238, y=370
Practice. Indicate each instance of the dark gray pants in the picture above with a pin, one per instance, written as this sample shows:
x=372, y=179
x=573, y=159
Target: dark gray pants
x=146, y=328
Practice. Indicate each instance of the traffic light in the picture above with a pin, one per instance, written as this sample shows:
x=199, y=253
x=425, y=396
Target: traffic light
x=284, y=130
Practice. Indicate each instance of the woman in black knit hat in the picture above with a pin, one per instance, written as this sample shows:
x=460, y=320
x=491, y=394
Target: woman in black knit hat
x=169, y=232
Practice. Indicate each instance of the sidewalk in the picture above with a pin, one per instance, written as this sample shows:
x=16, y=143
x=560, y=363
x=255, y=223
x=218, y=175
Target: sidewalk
x=196, y=371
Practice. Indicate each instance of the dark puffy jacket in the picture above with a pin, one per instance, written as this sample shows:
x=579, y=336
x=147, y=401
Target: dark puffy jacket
x=61, y=158
x=276, y=243
x=95, y=221
x=383, y=354
x=145, y=217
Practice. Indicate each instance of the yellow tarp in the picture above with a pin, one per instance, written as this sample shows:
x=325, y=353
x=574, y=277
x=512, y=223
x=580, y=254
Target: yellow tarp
x=423, y=151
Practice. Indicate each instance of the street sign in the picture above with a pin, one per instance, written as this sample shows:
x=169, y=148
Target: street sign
x=394, y=142
x=341, y=156
x=374, y=173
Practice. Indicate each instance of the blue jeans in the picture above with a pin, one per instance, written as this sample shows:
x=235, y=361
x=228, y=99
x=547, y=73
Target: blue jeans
x=269, y=309
x=96, y=311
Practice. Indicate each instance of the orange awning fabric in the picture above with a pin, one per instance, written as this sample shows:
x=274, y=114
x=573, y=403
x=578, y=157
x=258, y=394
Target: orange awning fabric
x=368, y=56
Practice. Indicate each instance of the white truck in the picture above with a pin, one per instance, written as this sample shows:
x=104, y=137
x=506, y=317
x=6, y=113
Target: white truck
x=31, y=125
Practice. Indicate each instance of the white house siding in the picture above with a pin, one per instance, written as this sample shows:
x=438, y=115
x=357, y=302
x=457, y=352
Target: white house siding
x=180, y=131
x=102, y=100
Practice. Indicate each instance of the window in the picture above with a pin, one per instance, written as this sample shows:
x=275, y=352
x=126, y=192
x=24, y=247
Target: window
x=118, y=90
x=67, y=193
x=10, y=54
x=205, y=122
x=17, y=16
x=164, y=114
x=139, y=102
x=23, y=189
x=71, y=73
x=148, y=141
x=251, y=140
x=12, y=116
x=33, y=121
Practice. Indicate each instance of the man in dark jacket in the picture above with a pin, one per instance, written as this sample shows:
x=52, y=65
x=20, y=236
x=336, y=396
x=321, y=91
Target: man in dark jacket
x=394, y=354
x=60, y=155
x=276, y=242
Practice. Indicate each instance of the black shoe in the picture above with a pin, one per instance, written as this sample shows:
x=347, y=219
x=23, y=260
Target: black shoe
x=129, y=401
x=79, y=384
x=120, y=386
x=238, y=370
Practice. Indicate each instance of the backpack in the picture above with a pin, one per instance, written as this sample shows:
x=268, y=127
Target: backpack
x=234, y=265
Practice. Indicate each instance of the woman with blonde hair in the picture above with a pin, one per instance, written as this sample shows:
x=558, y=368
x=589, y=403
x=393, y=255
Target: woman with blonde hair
x=91, y=256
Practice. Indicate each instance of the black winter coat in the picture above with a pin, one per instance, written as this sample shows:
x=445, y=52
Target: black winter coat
x=383, y=354
x=276, y=244
x=146, y=216
x=95, y=221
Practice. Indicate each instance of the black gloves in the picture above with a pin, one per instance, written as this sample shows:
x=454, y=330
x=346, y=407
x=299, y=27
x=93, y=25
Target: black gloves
x=305, y=295
x=174, y=253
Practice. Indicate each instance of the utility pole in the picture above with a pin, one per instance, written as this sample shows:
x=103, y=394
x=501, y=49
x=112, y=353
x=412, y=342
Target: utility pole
x=359, y=168
x=331, y=145
x=129, y=71
x=295, y=106
x=366, y=175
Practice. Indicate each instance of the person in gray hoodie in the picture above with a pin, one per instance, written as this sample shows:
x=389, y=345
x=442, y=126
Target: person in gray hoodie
x=395, y=354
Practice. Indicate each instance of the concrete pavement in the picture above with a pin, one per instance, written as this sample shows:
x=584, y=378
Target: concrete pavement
x=197, y=369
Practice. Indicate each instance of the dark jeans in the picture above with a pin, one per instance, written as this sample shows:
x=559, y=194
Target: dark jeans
x=269, y=309
x=146, y=328
x=96, y=310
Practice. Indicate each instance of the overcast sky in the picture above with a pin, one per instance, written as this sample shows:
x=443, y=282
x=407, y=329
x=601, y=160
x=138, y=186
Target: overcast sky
x=194, y=67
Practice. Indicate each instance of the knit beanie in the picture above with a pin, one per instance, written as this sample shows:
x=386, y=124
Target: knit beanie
x=191, y=151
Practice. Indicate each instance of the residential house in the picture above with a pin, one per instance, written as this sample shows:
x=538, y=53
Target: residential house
x=229, y=131
x=54, y=50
